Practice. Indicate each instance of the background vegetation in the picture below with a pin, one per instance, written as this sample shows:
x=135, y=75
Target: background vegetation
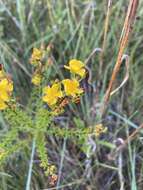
x=75, y=29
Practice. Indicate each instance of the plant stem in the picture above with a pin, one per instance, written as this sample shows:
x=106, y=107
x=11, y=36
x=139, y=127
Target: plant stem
x=30, y=166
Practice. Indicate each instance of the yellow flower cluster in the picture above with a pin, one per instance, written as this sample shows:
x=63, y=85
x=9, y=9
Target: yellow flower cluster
x=71, y=86
x=36, y=79
x=99, y=129
x=40, y=59
x=50, y=170
x=36, y=56
x=58, y=90
x=6, y=88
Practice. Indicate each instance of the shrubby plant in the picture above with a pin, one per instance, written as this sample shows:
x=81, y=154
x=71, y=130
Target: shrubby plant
x=47, y=101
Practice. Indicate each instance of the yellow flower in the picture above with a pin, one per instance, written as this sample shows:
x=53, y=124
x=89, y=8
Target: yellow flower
x=77, y=67
x=36, y=56
x=51, y=94
x=36, y=79
x=6, y=88
x=2, y=105
x=72, y=87
x=99, y=129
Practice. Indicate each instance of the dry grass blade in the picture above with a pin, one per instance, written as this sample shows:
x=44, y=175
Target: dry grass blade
x=92, y=54
x=126, y=57
x=106, y=25
x=127, y=28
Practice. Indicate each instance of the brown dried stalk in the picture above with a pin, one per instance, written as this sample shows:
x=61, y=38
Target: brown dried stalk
x=127, y=28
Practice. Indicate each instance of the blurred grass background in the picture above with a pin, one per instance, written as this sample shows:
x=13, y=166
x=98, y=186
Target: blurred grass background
x=75, y=29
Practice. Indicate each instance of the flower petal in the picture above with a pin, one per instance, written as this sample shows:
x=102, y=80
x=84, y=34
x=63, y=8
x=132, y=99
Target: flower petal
x=82, y=72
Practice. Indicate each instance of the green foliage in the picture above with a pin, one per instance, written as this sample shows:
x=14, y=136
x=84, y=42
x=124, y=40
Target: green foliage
x=43, y=119
x=24, y=127
x=27, y=124
x=18, y=119
x=42, y=153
